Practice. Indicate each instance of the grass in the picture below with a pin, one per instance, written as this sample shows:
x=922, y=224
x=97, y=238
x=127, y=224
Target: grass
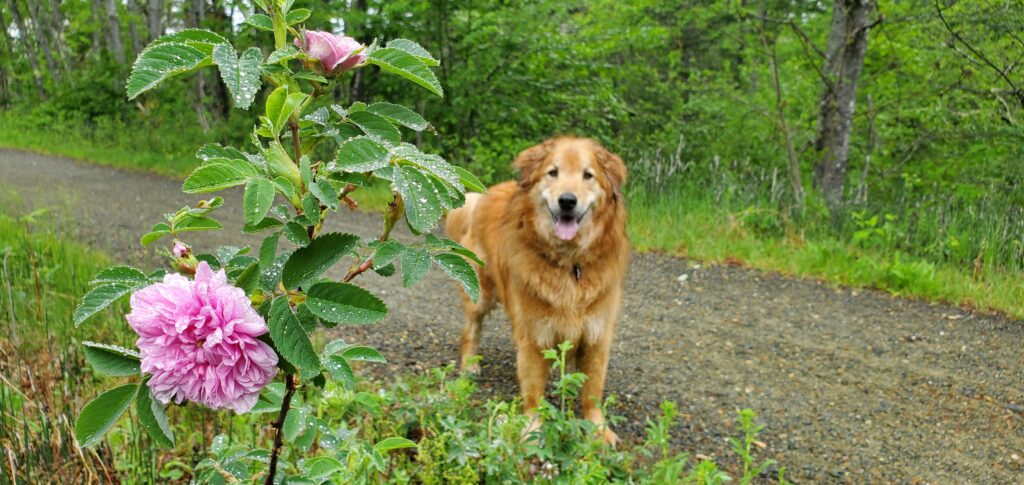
x=460, y=438
x=674, y=222
x=705, y=231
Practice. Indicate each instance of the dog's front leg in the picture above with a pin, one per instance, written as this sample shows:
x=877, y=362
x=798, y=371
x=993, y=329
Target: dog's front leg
x=592, y=360
x=532, y=370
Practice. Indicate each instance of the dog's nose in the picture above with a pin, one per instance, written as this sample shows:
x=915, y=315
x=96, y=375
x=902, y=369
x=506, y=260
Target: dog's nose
x=567, y=201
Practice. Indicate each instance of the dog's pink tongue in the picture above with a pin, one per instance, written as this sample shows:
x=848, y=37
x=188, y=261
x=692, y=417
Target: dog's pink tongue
x=566, y=229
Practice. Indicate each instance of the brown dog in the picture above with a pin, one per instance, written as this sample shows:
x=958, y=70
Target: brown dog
x=556, y=255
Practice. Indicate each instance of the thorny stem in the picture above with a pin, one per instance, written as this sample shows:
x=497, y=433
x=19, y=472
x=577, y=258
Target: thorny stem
x=394, y=212
x=291, y=384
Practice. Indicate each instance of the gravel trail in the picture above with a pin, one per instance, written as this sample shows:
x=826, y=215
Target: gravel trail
x=852, y=386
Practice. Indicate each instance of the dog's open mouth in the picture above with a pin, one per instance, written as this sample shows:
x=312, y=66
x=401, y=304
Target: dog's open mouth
x=567, y=225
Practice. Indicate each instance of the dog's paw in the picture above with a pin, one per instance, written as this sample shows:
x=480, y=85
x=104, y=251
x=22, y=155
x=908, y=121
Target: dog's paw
x=471, y=370
x=609, y=436
x=531, y=427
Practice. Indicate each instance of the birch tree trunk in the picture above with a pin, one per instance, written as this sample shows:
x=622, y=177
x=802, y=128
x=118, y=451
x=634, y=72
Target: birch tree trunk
x=134, y=15
x=114, y=43
x=97, y=30
x=41, y=31
x=57, y=22
x=847, y=46
x=30, y=50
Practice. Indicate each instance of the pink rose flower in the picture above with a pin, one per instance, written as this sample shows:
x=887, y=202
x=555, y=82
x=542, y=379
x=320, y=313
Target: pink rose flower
x=198, y=341
x=333, y=51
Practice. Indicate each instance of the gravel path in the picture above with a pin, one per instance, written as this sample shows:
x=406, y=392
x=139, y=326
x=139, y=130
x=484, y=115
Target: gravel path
x=852, y=385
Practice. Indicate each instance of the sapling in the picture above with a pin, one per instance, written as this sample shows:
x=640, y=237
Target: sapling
x=221, y=328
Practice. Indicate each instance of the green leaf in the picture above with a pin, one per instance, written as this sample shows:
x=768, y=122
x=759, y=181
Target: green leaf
x=375, y=126
x=285, y=53
x=344, y=303
x=386, y=252
x=361, y=154
x=249, y=279
x=261, y=22
x=120, y=274
x=291, y=340
x=153, y=417
x=399, y=115
x=272, y=274
x=100, y=414
x=267, y=223
x=366, y=354
x=159, y=62
x=414, y=49
x=99, y=298
x=470, y=181
x=369, y=402
x=324, y=191
x=460, y=270
x=340, y=370
x=111, y=359
x=258, y=197
x=393, y=443
x=415, y=265
x=309, y=262
x=240, y=74
x=281, y=105
x=218, y=175
x=321, y=468
x=431, y=164
x=295, y=423
x=296, y=233
x=204, y=40
x=212, y=151
x=296, y=16
x=158, y=231
x=408, y=66
x=422, y=205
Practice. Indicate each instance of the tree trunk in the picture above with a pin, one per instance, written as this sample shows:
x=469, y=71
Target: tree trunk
x=114, y=43
x=30, y=50
x=154, y=19
x=97, y=27
x=134, y=15
x=847, y=46
x=41, y=32
x=57, y=21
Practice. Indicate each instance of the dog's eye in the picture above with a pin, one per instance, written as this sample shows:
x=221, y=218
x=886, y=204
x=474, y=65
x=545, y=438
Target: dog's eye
x=553, y=172
x=587, y=175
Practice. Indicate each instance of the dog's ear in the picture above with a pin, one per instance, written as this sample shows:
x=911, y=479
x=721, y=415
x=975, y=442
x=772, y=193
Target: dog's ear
x=528, y=161
x=614, y=169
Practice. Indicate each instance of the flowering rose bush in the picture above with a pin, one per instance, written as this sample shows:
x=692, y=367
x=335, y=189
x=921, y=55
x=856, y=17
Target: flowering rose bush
x=230, y=329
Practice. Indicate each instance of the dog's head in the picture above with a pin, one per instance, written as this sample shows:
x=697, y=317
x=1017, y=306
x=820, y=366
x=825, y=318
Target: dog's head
x=570, y=181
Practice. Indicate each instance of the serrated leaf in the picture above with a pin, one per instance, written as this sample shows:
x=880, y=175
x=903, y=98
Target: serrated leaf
x=258, y=197
x=386, y=252
x=285, y=53
x=100, y=414
x=241, y=74
x=399, y=115
x=158, y=231
x=321, y=468
x=296, y=16
x=99, y=298
x=291, y=340
x=120, y=274
x=280, y=106
x=111, y=360
x=212, y=151
x=249, y=279
x=201, y=39
x=375, y=126
x=308, y=262
x=460, y=270
x=408, y=66
x=325, y=193
x=192, y=223
x=296, y=233
x=266, y=223
x=159, y=62
x=340, y=370
x=344, y=303
x=415, y=49
x=415, y=265
x=153, y=417
x=365, y=354
x=361, y=154
x=393, y=443
x=422, y=205
x=261, y=22
x=429, y=163
x=470, y=181
x=218, y=175
x=295, y=423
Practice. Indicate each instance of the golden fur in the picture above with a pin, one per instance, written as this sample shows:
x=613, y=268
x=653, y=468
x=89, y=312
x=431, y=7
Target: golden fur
x=553, y=289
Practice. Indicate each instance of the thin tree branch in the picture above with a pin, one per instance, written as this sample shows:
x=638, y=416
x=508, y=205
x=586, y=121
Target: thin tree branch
x=290, y=386
x=956, y=36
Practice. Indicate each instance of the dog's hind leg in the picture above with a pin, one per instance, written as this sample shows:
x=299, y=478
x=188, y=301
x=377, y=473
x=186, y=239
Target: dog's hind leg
x=475, y=313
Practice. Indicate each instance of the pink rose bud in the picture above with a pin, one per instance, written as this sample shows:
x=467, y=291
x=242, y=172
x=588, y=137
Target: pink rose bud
x=180, y=250
x=336, y=53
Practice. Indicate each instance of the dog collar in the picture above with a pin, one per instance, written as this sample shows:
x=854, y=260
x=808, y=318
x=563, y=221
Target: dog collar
x=576, y=271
